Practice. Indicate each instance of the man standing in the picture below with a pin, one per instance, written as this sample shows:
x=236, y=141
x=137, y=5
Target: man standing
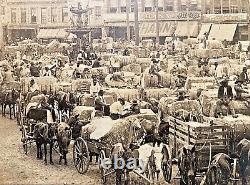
x=225, y=95
x=154, y=70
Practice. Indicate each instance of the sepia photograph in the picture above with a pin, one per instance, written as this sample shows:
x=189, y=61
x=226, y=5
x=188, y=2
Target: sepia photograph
x=124, y=92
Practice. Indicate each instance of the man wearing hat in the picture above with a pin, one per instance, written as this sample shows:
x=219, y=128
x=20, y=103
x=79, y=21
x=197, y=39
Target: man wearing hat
x=135, y=108
x=225, y=95
x=239, y=90
x=244, y=76
x=154, y=70
x=34, y=70
x=100, y=104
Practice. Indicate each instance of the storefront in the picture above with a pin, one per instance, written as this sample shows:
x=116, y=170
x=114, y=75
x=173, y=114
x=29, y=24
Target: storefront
x=229, y=27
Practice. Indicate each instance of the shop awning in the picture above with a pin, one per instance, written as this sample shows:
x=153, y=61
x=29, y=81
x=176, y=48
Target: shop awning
x=148, y=29
x=205, y=29
x=52, y=34
x=222, y=32
x=186, y=28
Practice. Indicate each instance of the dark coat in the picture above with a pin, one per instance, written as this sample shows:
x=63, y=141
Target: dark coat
x=243, y=78
x=221, y=92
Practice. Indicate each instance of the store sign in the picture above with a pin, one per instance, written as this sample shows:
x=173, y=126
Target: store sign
x=148, y=29
x=193, y=15
x=220, y=18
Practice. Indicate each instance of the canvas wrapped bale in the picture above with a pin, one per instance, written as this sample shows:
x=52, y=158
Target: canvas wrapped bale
x=123, y=132
x=215, y=53
x=44, y=83
x=164, y=106
x=240, y=126
x=187, y=105
x=127, y=94
x=144, y=63
x=150, y=80
x=125, y=60
x=214, y=44
x=202, y=53
x=129, y=79
x=11, y=85
x=158, y=93
x=89, y=100
x=64, y=86
x=193, y=71
x=200, y=83
x=85, y=112
x=96, y=128
x=134, y=68
x=100, y=71
x=81, y=84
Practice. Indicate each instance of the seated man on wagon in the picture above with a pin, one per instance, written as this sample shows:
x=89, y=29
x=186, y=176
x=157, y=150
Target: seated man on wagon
x=117, y=109
x=33, y=90
x=154, y=70
x=225, y=95
x=100, y=104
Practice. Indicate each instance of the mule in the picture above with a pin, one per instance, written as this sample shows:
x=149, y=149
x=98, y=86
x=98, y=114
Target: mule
x=10, y=99
x=187, y=162
x=243, y=151
x=44, y=134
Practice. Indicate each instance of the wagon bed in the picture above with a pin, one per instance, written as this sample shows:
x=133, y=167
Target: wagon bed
x=209, y=138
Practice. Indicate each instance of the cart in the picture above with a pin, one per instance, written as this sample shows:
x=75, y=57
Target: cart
x=210, y=138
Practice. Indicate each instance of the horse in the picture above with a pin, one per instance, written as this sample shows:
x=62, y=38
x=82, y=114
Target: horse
x=9, y=99
x=219, y=170
x=63, y=136
x=243, y=151
x=187, y=162
x=44, y=134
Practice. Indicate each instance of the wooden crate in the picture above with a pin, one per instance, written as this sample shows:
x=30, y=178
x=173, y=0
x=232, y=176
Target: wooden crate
x=203, y=135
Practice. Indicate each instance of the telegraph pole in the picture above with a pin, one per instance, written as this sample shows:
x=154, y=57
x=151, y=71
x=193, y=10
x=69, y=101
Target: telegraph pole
x=157, y=23
x=136, y=14
x=188, y=27
x=127, y=20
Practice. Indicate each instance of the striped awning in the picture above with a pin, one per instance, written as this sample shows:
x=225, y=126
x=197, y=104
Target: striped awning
x=148, y=29
x=222, y=32
x=52, y=34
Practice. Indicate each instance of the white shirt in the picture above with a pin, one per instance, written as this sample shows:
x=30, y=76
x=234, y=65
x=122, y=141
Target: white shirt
x=94, y=89
x=116, y=108
x=225, y=91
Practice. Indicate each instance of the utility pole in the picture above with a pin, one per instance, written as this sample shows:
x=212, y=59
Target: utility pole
x=136, y=14
x=188, y=27
x=221, y=6
x=157, y=23
x=127, y=19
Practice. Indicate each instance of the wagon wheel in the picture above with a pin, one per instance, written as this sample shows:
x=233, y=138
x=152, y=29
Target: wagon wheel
x=24, y=139
x=102, y=169
x=167, y=170
x=81, y=155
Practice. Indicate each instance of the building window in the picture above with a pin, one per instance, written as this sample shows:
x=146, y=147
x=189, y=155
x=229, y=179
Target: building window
x=113, y=10
x=65, y=15
x=169, y=5
x=33, y=15
x=148, y=9
x=2, y=10
x=13, y=15
x=43, y=15
x=53, y=15
x=23, y=15
x=98, y=11
x=160, y=8
x=123, y=9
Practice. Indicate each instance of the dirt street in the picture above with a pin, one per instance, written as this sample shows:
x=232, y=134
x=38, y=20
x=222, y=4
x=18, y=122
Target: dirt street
x=18, y=168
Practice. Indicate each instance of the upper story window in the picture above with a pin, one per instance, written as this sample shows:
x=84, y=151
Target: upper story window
x=148, y=9
x=33, y=15
x=98, y=11
x=13, y=15
x=53, y=15
x=123, y=9
x=43, y=15
x=2, y=10
x=113, y=10
x=65, y=15
x=23, y=15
